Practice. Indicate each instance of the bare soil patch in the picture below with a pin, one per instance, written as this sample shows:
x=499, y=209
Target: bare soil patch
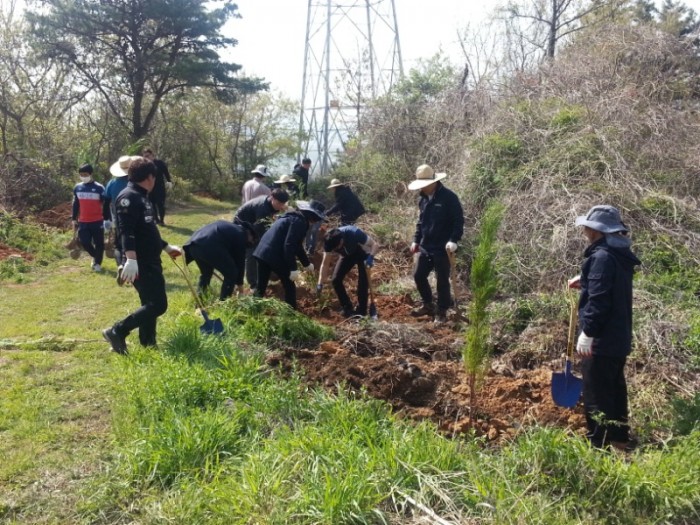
x=416, y=367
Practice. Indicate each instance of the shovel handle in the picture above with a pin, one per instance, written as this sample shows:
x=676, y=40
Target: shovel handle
x=573, y=321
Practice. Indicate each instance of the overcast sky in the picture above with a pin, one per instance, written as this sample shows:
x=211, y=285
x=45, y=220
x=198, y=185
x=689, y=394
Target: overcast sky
x=271, y=34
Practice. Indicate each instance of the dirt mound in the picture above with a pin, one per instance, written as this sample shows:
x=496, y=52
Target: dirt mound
x=57, y=217
x=416, y=367
x=6, y=252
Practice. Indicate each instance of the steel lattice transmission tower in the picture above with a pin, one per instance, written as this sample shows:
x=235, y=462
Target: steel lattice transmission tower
x=352, y=56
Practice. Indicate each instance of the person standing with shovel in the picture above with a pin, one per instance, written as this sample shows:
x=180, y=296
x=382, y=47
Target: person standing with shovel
x=141, y=244
x=605, y=323
x=439, y=228
x=355, y=248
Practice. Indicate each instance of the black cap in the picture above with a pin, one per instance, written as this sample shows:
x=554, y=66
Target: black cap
x=306, y=160
x=85, y=168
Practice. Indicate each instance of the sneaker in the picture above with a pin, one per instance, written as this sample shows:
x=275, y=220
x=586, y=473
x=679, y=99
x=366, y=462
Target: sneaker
x=426, y=309
x=441, y=317
x=116, y=341
x=96, y=267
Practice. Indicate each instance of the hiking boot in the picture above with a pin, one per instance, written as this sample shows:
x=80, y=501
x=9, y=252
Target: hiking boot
x=116, y=341
x=441, y=317
x=426, y=309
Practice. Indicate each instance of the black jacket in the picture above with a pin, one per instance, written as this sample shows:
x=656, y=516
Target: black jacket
x=347, y=205
x=605, y=306
x=284, y=242
x=136, y=224
x=162, y=175
x=221, y=236
x=301, y=174
x=257, y=212
x=441, y=220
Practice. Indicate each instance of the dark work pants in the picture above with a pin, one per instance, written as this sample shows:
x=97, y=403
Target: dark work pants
x=605, y=399
x=154, y=302
x=157, y=198
x=210, y=258
x=439, y=262
x=92, y=237
x=290, y=289
x=344, y=265
x=251, y=267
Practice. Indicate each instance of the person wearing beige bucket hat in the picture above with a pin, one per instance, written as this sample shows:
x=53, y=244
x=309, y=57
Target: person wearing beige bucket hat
x=119, y=180
x=286, y=183
x=439, y=228
x=256, y=186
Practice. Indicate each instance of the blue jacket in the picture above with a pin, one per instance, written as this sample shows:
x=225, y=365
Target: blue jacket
x=441, y=220
x=280, y=246
x=605, y=305
x=353, y=239
x=112, y=190
x=347, y=205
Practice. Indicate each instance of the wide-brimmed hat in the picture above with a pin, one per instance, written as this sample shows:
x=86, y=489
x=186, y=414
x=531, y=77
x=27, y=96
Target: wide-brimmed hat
x=314, y=207
x=425, y=176
x=335, y=183
x=603, y=218
x=121, y=167
x=284, y=179
x=261, y=170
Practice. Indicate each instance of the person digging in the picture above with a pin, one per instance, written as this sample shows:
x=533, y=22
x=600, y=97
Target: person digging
x=356, y=249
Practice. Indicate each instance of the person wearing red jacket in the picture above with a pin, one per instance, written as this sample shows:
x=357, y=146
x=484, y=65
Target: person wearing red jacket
x=91, y=215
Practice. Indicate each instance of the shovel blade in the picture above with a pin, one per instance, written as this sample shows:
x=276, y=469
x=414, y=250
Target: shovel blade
x=566, y=388
x=211, y=326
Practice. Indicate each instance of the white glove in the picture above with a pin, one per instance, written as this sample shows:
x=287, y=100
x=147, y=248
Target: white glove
x=107, y=225
x=584, y=346
x=574, y=282
x=415, y=247
x=451, y=247
x=309, y=268
x=173, y=251
x=294, y=275
x=168, y=185
x=130, y=272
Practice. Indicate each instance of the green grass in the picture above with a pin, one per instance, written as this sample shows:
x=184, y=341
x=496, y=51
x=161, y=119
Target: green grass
x=200, y=430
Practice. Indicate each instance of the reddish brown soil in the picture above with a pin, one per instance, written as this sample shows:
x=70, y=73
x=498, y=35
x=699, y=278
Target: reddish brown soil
x=57, y=217
x=7, y=252
x=416, y=367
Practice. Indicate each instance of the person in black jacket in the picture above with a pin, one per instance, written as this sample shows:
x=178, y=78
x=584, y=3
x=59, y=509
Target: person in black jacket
x=163, y=184
x=605, y=323
x=141, y=244
x=439, y=228
x=282, y=244
x=220, y=246
x=259, y=212
x=301, y=173
x=347, y=204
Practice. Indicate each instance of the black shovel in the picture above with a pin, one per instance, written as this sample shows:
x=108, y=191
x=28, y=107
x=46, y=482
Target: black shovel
x=566, y=387
x=210, y=326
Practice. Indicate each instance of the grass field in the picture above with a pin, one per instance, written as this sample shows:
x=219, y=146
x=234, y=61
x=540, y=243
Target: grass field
x=200, y=430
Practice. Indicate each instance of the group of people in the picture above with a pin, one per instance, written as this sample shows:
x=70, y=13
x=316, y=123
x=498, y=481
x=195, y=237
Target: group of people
x=93, y=205
x=256, y=246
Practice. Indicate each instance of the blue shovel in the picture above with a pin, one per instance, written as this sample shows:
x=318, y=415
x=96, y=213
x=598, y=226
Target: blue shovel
x=566, y=387
x=210, y=326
